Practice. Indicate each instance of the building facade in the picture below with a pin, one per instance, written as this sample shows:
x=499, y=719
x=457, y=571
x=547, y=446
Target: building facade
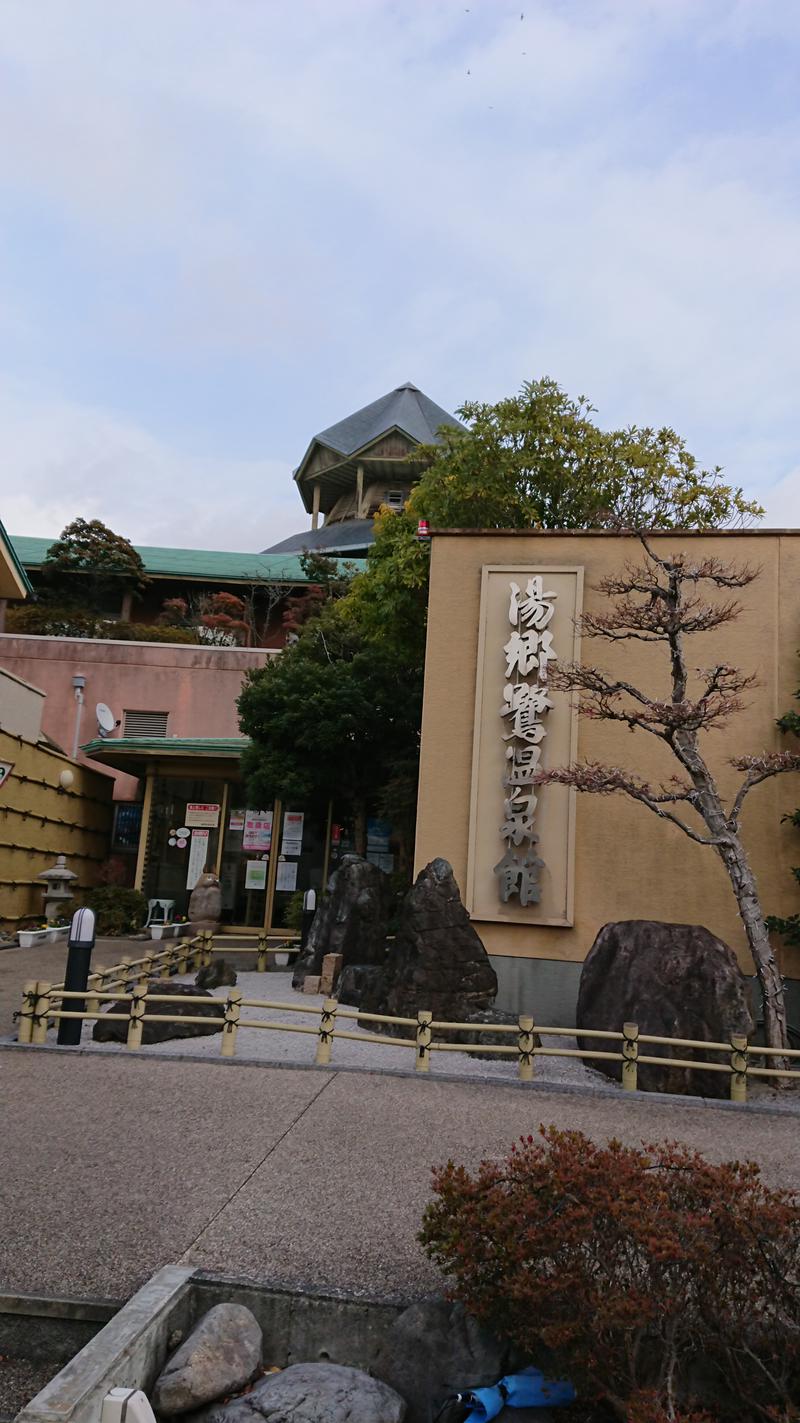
x=603, y=857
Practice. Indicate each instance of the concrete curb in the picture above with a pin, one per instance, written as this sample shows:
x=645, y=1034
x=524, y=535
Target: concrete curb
x=547, y=1088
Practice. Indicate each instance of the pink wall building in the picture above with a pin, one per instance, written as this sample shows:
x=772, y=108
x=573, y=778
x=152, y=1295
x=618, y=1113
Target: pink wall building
x=174, y=690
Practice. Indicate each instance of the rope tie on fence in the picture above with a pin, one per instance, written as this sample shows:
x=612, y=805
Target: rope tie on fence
x=526, y=1047
x=630, y=1055
x=137, y=1012
x=424, y=1035
x=325, y=1031
x=740, y=1059
x=230, y=1026
x=26, y=1015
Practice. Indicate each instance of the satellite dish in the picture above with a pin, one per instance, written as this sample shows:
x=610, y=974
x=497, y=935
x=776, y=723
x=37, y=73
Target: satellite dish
x=106, y=721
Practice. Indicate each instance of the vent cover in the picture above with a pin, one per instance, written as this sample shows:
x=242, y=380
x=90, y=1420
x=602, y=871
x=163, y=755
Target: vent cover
x=144, y=723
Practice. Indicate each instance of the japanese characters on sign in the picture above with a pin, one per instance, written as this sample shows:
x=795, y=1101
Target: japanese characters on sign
x=524, y=711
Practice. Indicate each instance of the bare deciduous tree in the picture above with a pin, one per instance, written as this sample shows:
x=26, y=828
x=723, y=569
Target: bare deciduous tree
x=661, y=601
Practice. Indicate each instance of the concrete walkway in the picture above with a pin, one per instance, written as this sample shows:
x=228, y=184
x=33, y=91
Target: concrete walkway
x=114, y=1166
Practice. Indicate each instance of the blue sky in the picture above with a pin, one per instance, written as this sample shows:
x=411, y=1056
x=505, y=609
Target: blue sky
x=225, y=224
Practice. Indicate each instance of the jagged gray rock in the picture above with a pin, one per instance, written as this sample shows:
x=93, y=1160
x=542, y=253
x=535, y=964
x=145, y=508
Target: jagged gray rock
x=352, y=919
x=217, y=974
x=354, y=982
x=115, y=1030
x=221, y=1355
x=437, y=961
x=435, y=1349
x=674, y=980
x=312, y=1393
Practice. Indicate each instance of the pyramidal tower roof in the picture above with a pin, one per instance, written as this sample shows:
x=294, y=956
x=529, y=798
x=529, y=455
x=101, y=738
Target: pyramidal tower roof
x=406, y=407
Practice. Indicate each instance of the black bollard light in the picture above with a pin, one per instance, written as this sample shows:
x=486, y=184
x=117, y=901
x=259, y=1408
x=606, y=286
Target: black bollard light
x=79, y=955
x=309, y=910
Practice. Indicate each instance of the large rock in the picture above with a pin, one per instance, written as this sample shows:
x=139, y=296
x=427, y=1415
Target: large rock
x=355, y=981
x=352, y=919
x=437, y=962
x=434, y=1350
x=217, y=974
x=674, y=980
x=115, y=1030
x=220, y=1356
x=312, y=1393
x=497, y=1039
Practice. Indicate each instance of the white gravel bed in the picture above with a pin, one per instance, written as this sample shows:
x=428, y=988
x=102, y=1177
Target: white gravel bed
x=260, y=1045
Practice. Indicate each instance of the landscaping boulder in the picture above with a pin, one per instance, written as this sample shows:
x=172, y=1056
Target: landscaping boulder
x=352, y=919
x=115, y=1030
x=495, y=1015
x=674, y=980
x=437, y=961
x=217, y=974
x=354, y=982
x=312, y=1393
x=220, y=1356
x=434, y=1350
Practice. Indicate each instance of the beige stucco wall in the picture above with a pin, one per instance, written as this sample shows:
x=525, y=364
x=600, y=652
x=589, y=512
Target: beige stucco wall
x=628, y=864
x=21, y=707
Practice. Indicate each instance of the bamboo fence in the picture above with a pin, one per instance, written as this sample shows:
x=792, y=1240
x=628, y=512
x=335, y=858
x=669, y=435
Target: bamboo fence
x=128, y=984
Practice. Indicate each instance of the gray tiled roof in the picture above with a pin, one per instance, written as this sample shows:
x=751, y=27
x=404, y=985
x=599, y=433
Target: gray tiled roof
x=349, y=538
x=407, y=407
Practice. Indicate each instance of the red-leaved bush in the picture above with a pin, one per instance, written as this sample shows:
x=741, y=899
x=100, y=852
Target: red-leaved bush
x=664, y=1285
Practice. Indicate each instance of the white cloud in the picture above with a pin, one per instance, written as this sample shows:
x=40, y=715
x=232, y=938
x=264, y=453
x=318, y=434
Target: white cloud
x=68, y=461
x=319, y=201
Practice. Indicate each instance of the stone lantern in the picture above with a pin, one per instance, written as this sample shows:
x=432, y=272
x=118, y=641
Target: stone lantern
x=58, y=891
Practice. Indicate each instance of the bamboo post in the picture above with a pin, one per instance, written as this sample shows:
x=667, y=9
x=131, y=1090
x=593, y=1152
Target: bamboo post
x=326, y=1029
x=738, y=1068
x=422, y=1062
x=136, y=1021
x=526, y=1047
x=208, y=945
x=261, y=957
x=233, y=1009
x=183, y=956
x=40, y=1007
x=146, y=968
x=126, y=969
x=94, y=986
x=630, y=1055
x=27, y=1011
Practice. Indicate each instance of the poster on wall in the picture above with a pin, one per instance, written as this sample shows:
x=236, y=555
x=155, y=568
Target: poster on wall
x=257, y=830
x=292, y=843
x=521, y=845
x=199, y=814
x=379, y=835
x=236, y=820
x=198, y=852
x=256, y=874
x=287, y=875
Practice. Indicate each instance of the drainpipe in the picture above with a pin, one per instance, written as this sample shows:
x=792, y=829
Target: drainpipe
x=78, y=684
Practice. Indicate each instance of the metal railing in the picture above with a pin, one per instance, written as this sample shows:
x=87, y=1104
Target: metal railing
x=129, y=983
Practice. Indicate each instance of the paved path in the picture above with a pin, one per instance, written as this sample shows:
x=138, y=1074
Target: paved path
x=114, y=1166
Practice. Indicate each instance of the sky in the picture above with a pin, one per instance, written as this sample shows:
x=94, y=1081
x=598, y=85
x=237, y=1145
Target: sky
x=226, y=224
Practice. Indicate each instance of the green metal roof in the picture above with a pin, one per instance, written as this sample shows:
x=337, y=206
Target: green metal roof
x=14, y=558
x=194, y=563
x=166, y=745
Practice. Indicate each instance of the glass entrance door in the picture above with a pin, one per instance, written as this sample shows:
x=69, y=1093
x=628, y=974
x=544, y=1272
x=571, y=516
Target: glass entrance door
x=300, y=848
x=244, y=868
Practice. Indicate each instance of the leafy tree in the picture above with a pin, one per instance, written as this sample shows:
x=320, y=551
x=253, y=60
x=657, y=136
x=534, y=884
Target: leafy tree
x=536, y=460
x=330, y=719
x=106, y=561
x=661, y=602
